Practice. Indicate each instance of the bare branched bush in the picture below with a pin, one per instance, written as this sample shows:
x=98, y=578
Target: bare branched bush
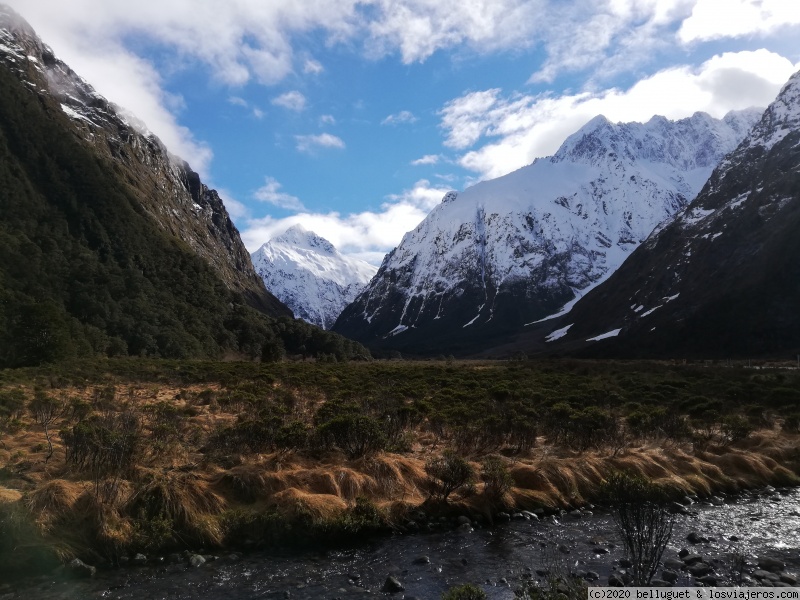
x=643, y=521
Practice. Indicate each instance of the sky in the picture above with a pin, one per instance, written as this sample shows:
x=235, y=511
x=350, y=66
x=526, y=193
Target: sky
x=354, y=118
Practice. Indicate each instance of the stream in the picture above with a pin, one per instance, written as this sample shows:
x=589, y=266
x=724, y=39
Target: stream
x=764, y=523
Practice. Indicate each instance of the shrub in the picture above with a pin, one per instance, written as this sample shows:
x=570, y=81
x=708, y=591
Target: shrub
x=791, y=423
x=104, y=445
x=465, y=592
x=496, y=477
x=643, y=520
x=355, y=435
x=736, y=427
x=448, y=473
x=12, y=402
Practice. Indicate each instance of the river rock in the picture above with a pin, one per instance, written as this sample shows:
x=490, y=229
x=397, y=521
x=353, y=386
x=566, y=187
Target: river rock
x=503, y=516
x=691, y=559
x=465, y=528
x=139, y=559
x=678, y=509
x=600, y=550
x=422, y=560
x=673, y=564
x=696, y=538
x=539, y=512
x=669, y=575
x=77, y=568
x=683, y=552
x=576, y=514
x=717, y=500
x=563, y=549
x=615, y=581
x=700, y=569
x=392, y=585
x=762, y=574
x=195, y=561
x=787, y=578
x=518, y=516
x=591, y=576
x=771, y=564
x=530, y=515
x=464, y=520
x=708, y=580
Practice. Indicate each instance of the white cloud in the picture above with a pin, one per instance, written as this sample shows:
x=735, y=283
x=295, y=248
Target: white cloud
x=404, y=116
x=270, y=192
x=293, y=100
x=520, y=128
x=368, y=235
x=715, y=19
x=258, y=113
x=313, y=67
x=308, y=143
x=327, y=120
x=428, y=159
x=237, y=101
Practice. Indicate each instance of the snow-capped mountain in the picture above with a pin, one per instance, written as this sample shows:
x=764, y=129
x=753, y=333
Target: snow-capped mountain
x=723, y=277
x=517, y=249
x=308, y=274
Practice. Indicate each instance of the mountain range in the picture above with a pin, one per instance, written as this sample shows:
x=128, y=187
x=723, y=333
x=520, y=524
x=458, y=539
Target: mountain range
x=520, y=248
x=308, y=274
x=722, y=278
x=658, y=239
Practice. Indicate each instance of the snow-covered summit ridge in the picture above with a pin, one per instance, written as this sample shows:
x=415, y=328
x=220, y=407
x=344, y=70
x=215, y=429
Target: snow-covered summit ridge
x=781, y=118
x=308, y=274
x=686, y=144
x=531, y=241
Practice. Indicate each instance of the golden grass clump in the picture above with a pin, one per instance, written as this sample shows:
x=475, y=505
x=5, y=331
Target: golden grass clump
x=184, y=499
x=7, y=496
x=54, y=499
x=293, y=503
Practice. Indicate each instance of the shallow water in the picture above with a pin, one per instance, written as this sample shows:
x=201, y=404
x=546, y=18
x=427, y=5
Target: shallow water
x=498, y=559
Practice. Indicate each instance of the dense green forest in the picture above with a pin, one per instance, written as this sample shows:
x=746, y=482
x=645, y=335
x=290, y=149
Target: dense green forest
x=85, y=271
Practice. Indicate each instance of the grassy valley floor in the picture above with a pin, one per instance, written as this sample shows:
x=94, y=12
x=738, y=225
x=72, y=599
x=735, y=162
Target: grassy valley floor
x=101, y=460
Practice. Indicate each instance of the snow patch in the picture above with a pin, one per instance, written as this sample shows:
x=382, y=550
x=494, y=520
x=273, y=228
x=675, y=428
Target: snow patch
x=396, y=330
x=604, y=336
x=558, y=333
x=651, y=311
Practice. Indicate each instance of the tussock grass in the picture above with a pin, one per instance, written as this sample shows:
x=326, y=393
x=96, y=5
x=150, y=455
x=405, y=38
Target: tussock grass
x=286, y=482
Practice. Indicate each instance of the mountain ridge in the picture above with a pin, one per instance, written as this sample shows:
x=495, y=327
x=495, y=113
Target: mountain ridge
x=721, y=279
x=517, y=249
x=111, y=247
x=195, y=213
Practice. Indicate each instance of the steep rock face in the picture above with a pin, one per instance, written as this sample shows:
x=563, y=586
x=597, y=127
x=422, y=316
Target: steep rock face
x=168, y=190
x=723, y=278
x=308, y=274
x=518, y=248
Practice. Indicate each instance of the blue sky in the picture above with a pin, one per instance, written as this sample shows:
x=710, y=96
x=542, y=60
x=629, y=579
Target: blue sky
x=354, y=118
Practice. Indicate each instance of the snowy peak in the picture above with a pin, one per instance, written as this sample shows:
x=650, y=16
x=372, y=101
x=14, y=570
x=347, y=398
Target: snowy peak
x=517, y=249
x=298, y=236
x=308, y=274
x=699, y=141
x=720, y=279
x=780, y=118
